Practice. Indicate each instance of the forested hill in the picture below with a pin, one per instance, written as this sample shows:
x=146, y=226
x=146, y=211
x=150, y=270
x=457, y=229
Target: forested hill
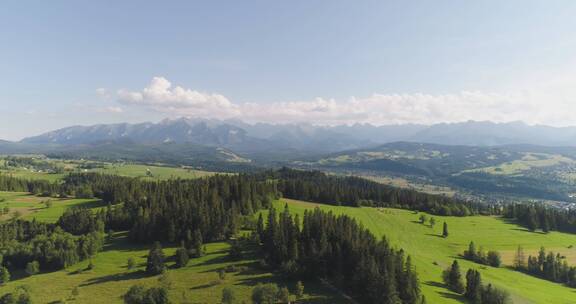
x=319, y=187
x=192, y=212
x=243, y=193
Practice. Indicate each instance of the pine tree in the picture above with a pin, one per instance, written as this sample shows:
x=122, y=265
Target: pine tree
x=155, y=263
x=453, y=278
x=4, y=275
x=181, y=257
x=260, y=227
x=520, y=259
x=473, y=286
x=445, y=230
x=470, y=254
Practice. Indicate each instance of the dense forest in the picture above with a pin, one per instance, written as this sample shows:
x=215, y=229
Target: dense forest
x=547, y=265
x=337, y=248
x=534, y=217
x=353, y=191
x=34, y=246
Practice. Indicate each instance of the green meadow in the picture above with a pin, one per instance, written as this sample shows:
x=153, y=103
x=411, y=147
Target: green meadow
x=199, y=282
x=432, y=253
x=155, y=172
x=29, y=206
x=151, y=172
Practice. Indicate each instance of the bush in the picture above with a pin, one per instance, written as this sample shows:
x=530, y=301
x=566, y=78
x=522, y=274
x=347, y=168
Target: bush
x=228, y=296
x=494, y=259
x=32, y=268
x=182, y=257
x=138, y=294
x=265, y=293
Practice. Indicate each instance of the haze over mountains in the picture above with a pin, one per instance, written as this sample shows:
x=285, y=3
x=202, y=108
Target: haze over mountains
x=244, y=137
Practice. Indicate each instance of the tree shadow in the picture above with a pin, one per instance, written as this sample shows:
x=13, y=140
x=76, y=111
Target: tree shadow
x=452, y=296
x=435, y=284
x=436, y=235
x=116, y=278
x=520, y=227
x=446, y=294
x=255, y=281
x=207, y=285
x=216, y=260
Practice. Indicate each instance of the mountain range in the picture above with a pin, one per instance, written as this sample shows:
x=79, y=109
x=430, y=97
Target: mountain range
x=251, y=138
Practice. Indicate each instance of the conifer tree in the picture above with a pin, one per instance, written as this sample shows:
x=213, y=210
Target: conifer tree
x=520, y=259
x=445, y=230
x=453, y=278
x=155, y=263
x=4, y=275
x=473, y=286
x=181, y=257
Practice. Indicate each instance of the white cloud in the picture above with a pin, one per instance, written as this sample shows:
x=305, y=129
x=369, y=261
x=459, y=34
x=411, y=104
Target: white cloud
x=543, y=106
x=160, y=95
x=103, y=93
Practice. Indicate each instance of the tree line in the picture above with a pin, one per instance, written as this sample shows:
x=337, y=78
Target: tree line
x=541, y=217
x=339, y=249
x=33, y=246
x=548, y=266
x=319, y=187
x=473, y=289
x=491, y=258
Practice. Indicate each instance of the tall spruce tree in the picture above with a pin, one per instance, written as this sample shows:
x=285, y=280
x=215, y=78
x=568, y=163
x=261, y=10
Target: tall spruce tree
x=155, y=263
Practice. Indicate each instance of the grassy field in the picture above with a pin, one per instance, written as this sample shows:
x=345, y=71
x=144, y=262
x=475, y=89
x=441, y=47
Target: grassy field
x=432, y=253
x=28, y=206
x=151, y=172
x=156, y=172
x=196, y=283
x=528, y=161
x=405, y=183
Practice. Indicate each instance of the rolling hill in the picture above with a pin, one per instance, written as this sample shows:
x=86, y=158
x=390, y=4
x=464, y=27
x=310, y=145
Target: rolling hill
x=518, y=171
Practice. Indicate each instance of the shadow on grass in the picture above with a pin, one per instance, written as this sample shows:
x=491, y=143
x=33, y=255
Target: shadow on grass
x=255, y=281
x=207, y=285
x=116, y=278
x=216, y=260
x=448, y=295
x=519, y=227
x=436, y=235
x=445, y=294
x=91, y=204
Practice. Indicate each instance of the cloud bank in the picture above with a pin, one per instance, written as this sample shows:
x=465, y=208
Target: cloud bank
x=534, y=107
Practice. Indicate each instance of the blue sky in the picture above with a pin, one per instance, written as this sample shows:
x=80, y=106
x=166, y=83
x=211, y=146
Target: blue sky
x=84, y=62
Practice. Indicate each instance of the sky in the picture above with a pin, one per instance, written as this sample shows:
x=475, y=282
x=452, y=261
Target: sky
x=330, y=62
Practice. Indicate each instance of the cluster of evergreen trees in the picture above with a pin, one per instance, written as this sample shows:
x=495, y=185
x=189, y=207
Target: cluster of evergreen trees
x=539, y=216
x=549, y=266
x=473, y=289
x=189, y=211
x=31, y=246
x=337, y=248
x=354, y=191
x=480, y=256
x=36, y=187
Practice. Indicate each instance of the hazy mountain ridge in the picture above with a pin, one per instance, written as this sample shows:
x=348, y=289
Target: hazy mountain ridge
x=244, y=137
